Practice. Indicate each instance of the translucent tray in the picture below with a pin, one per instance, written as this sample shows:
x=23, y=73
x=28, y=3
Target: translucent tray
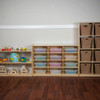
x=55, y=71
x=54, y=64
x=40, y=50
x=40, y=71
x=70, y=64
x=55, y=57
x=40, y=57
x=71, y=71
x=71, y=50
x=70, y=57
x=40, y=64
x=55, y=50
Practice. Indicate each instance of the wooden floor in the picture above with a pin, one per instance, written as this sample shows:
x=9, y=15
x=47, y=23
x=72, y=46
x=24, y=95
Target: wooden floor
x=49, y=88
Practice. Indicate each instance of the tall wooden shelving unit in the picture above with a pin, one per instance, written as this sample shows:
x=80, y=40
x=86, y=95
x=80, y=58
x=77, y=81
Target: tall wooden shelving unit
x=92, y=49
x=48, y=60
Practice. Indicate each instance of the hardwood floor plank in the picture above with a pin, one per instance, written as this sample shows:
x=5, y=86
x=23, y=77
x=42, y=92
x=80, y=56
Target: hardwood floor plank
x=49, y=88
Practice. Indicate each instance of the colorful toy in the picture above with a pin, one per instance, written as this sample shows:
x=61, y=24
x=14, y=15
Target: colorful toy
x=3, y=69
x=14, y=71
x=25, y=49
x=4, y=59
x=23, y=59
x=1, y=59
x=17, y=49
x=14, y=57
x=24, y=70
x=21, y=49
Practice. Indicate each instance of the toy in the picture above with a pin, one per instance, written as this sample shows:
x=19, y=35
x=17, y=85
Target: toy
x=4, y=59
x=21, y=49
x=17, y=49
x=25, y=49
x=23, y=59
x=14, y=71
x=1, y=59
x=24, y=69
x=3, y=69
x=14, y=57
x=8, y=49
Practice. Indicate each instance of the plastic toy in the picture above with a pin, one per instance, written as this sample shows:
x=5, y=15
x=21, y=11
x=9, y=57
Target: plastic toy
x=23, y=59
x=4, y=59
x=25, y=49
x=17, y=49
x=21, y=49
x=14, y=57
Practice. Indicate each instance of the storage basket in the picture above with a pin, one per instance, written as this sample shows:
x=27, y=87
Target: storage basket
x=85, y=68
x=86, y=29
x=86, y=56
x=97, y=29
x=86, y=42
x=40, y=50
x=71, y=71
x=55, y=50
x=70, y=64
x=97, y=55
x=97, y=68
x=97, y=42
x=40, y=57
x=70, y=50
x=55, y=71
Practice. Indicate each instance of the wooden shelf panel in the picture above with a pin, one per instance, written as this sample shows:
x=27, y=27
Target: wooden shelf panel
x=28, y=51
x=16, y=75
x=72, y=75
x=15, y=62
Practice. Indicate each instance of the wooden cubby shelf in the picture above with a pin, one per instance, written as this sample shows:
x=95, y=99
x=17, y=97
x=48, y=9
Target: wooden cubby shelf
x=49, y=69
x=89, y=49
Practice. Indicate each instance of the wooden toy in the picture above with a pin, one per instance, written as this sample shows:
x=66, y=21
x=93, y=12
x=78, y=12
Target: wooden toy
x=3, y=69
x=14, y=71
x=24, y=70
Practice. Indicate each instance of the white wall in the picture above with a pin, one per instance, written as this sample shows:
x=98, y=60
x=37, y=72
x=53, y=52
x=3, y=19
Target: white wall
x=45, y=12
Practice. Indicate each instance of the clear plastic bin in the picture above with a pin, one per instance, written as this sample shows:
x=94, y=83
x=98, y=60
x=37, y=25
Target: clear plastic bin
x=55, y=57
x=55, y=50
x=70, y=57
x=71, y=71
x=40, y=64
x=40, y=71
x=55, y=71
x=40, y=57
x=70, y=50
x=40, y=50
x=70, y=64
x=55, y=64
